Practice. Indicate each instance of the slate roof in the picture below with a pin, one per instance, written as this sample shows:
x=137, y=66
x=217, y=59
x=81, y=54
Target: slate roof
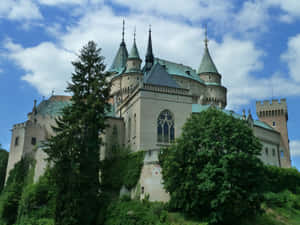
x=197, y=108
x=53, y=106
x=159, y=76
x=179, y=69
x=120, y=59
x=134, y=53
x=207, y=65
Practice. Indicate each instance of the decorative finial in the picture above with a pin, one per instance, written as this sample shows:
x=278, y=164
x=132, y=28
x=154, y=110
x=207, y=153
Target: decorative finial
x=150, y=28
x=52, y=92
x=123, y=30
x=134, y=34
x=249, y=111
x=206, y=39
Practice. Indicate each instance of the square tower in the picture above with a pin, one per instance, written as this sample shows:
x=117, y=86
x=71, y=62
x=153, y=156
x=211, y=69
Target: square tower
x=275, y=114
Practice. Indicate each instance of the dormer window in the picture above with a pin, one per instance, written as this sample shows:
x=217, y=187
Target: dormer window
x=188, y=72
x=274, y=124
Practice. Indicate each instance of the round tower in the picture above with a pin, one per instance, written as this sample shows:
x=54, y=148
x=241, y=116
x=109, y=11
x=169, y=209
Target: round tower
x=134, y=61
x=216, y=94
x=275, y=114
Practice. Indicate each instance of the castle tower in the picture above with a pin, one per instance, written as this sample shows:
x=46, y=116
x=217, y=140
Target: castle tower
x=207, y=69
x=275, y=114
x=133, y=62
x=149, y=61
x=120, y=59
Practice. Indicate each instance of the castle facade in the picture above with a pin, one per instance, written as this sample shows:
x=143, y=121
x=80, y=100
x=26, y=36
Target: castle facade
x=150, y=104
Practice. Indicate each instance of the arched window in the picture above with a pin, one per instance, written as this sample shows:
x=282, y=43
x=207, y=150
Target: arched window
x=165, y=127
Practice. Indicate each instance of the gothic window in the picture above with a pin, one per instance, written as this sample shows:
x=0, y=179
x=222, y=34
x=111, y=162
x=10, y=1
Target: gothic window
x=165, y=127
x=273, y=152
x=274, y=123
x=267, y=151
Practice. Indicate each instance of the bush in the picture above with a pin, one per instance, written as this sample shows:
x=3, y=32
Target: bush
x=283, y=199
x=280, y=179
x=124, y=212
x=38, y=200
x=213, y=169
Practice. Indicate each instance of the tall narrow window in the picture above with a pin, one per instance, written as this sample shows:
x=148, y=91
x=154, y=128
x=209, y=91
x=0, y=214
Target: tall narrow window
x=16, y=141
x=33, y=141
x=165, y=127
x=134, y=125
x=129, y=129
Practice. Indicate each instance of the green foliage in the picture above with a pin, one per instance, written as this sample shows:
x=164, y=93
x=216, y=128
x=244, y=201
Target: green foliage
x=3, y=165
x=280, y=179
x=11, y=194
x=37, y=203
x=75, y=147
x=283, y=199
x=126, y=212
x=123, y=169
x=213, y=169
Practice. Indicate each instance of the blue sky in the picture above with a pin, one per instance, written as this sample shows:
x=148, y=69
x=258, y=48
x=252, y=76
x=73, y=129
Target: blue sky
x=255, y=45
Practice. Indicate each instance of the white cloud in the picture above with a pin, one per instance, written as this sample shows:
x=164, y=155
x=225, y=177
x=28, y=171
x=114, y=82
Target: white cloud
x=237, y=60
x=292, y=57
x=252, y=16
x=295, y=148
x=291, y=7
x=193, y=10
x=19, y=10
x=46, y=66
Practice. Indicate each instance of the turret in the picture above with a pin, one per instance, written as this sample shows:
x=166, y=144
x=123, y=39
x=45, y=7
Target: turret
x=149, y=55
x=275, y=114
x=119, y=63
x=207, y=69
x=133, y=62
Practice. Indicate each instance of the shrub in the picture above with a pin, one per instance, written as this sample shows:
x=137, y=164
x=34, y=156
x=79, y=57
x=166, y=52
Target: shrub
x=213, y=169
x=280, y=179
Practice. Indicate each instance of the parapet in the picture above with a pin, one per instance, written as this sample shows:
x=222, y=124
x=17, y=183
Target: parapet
x=274, y=104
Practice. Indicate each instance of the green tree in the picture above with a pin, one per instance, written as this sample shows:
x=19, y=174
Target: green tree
x=212, y=171
x=3, y=165
x=74, y=149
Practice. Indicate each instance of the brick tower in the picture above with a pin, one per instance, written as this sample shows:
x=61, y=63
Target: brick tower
x=275, y=114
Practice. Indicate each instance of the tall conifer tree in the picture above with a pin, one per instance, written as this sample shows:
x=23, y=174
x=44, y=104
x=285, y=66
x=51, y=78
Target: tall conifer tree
x=74, y=149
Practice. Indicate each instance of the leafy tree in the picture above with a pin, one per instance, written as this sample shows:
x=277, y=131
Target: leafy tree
x=213, y=170
x=3, y=165
x=74, y=149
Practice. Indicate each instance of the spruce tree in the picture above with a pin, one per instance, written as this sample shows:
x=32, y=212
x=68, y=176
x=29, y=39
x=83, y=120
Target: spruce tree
x=74, y=150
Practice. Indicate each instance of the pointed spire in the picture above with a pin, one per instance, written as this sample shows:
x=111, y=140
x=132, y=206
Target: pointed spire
x=206, y=39
x=149, y=55
x=207, y=65
x=123, y=31
x=120, y=59
x=134, y=53
x=34, y=110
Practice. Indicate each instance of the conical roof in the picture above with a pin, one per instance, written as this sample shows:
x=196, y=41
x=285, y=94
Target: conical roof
x=120, y=59
x=134, y=53
x=207, y=65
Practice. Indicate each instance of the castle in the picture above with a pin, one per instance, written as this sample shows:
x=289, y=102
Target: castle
x=150, y=104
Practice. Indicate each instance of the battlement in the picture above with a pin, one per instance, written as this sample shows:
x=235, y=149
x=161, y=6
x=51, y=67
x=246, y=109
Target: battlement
x=273, y=105
x=19, y=125
x=274, y=108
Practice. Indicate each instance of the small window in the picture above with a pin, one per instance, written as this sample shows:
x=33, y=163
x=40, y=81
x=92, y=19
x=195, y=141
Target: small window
x=33, y=141
x=209, y=77
x=281, y=154
x=17, y=141
x=143, y=190
x=273, y=152
x=267, y=151
x=274, y=123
